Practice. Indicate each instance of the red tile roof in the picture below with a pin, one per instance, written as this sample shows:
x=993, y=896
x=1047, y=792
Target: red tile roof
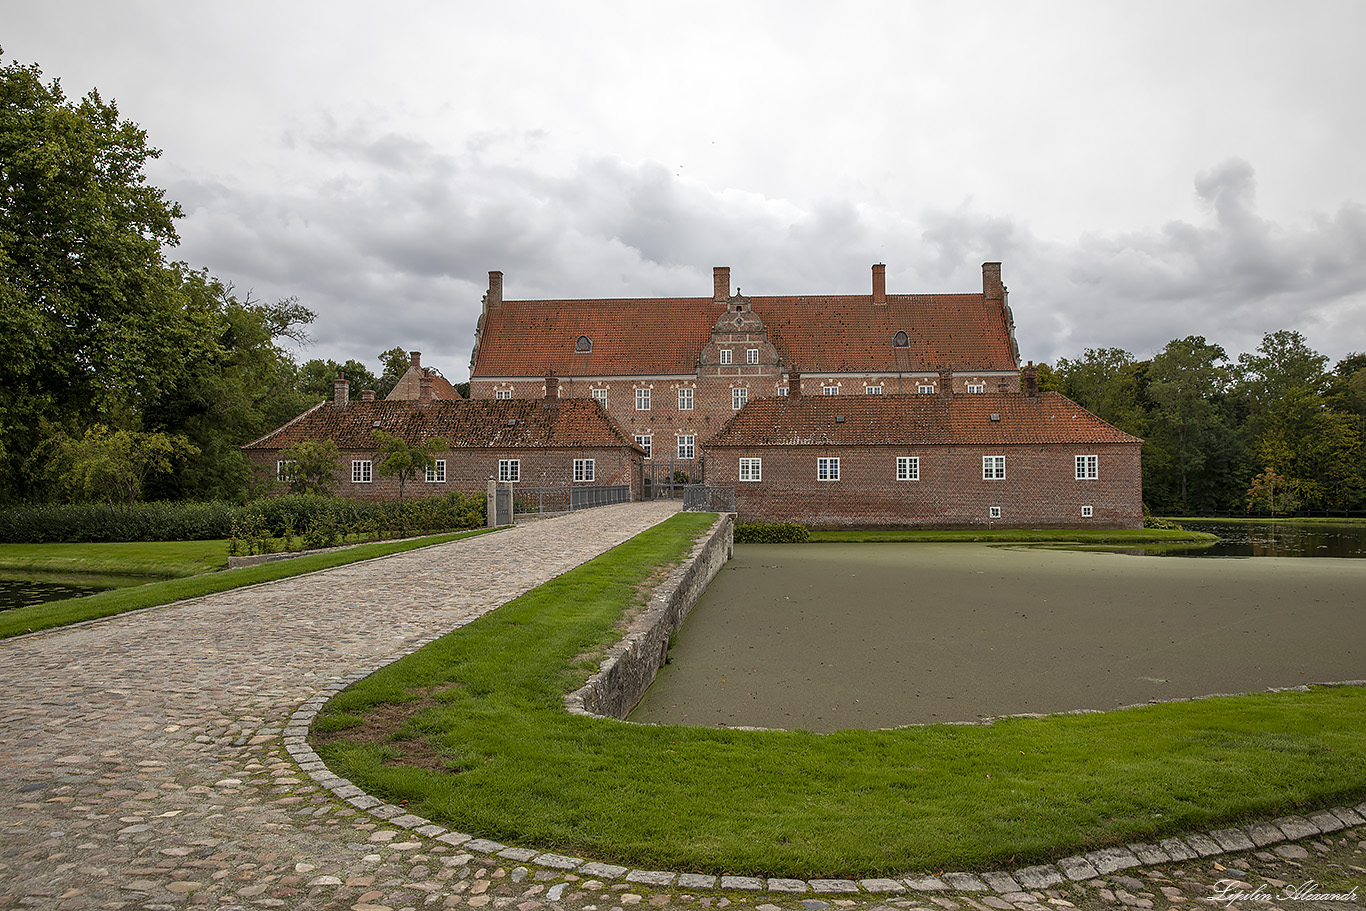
x=482, y=424
x=409, y=386
x=883, y=420
x=846, y=333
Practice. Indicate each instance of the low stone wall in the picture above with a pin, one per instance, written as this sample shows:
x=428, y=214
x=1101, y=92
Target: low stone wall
x=631, y=664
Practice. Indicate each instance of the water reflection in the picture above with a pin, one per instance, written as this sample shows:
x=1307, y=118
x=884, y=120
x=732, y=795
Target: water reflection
x=1276, y=539
x=24, y=589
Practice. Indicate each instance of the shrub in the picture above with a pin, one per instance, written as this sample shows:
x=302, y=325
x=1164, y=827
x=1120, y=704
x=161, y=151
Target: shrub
x=1154, y=522
x=772, y=533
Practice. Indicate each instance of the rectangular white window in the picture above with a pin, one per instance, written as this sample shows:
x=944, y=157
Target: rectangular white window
x=908, y=468
x=643, y=440
x=751, y=355
x=725, y=355
x=601, y=396
x=993, y=512
x=827, y=469
x=685, y=400
x=1088, y=468
x=642, y=400
x=284, y=471
x=1086, y=512
x=738, y=396
x=925, y=390
x=872, y=390
x=685, y=446
x=502, y=393
x=510, y=470
x=360, y=471
x=993, y=468
x=830, y=390
x=782, y=392
x=976, y=387
x=583, y=469
x=751, y=469
x=436, y=474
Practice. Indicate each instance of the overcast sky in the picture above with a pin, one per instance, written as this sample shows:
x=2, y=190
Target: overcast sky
x=1144, y=171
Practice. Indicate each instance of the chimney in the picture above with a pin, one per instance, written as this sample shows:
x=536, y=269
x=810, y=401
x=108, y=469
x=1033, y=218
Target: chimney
x=414, y=358
x=552, y=388
x=992, y=288
x=424, y=385
x=720, y=280
x=1029, y=380
x=879, y=283
x=367, y=395
x=495, y=297
x=341, y=391
x=945, y=382
x=794, y=385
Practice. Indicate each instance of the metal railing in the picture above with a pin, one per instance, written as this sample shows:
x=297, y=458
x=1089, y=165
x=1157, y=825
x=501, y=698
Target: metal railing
x=553, y=500
x=701, y=498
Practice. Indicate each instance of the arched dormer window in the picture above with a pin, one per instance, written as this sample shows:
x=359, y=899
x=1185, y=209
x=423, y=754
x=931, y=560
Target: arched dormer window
x=901, y=339
x=583, y=344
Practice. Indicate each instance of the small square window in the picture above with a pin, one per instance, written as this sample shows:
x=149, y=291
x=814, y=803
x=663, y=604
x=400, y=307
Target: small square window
x=827, y=469
x=643, y=440
x=738, y=396
x=872, y=390
x=908, y=468
x=685, y=446
x=360, y=471
x=510, y=470
x=993, y=468
x=830, y=390
x=685, y=400
x=725, y=355
x=502, y=393
x=924, y=389
x=436, y=473
x=994, y=512
x=1088, y=467
x=642, y=400
x=601, y=396
x=976, y=387
x=1086, y=512
x=751, y=355
x=751, y=469
x=583, y=470
x=284, y=471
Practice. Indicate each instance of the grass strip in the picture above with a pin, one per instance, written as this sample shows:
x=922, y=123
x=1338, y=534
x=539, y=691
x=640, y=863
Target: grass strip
x=164, y=559
x=106, y=604
x=1120, y=536
x=470, y=731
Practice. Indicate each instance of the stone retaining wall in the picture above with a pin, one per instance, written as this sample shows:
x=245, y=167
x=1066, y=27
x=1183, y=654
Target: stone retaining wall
x=631, y=664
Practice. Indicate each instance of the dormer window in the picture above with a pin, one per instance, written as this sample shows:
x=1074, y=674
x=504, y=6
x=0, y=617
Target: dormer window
x=901, y=339
x=583, y=344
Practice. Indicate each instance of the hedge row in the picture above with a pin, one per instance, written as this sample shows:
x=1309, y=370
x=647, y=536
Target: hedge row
x=772, y=533
x=169, y=521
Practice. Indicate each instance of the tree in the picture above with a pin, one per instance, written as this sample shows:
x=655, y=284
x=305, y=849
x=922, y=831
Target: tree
x=1269, y=492
x=397, y=457
x=395, y=362
x=312, y=466
x=113, y=465
x=317, y=376
x=1104, y=382
x=1186, y=382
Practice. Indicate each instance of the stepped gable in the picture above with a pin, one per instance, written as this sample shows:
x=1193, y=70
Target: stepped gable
x=479, y=424
x=908, y=420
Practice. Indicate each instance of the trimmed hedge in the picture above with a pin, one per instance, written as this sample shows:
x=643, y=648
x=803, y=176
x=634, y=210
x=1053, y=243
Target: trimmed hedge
x=772, y=533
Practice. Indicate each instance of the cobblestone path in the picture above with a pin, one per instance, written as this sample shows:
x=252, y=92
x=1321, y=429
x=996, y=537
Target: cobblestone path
x=142, y=765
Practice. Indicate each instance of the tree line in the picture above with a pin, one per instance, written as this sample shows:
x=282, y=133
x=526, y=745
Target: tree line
x=1275, y=430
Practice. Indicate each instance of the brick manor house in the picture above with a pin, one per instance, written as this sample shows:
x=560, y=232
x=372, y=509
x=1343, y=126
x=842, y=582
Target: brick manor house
x=841, y=410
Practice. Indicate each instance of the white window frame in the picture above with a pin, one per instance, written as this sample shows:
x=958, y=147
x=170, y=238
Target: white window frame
x=642, y=398
x=687, y=446
x=783, y=391
x=993, y=512
x=645, y=441
x=723, y=356
x=872, y=390
x=751, y=470
x=1086, y=512
x=828, y=468
x=284, y=470
x=908, y=468
x=739, y=395
x=502, y=393
x=1088, y=467
x=601, y=396
x=830, y=390
x=362, y=471
x=584, y=470
x=993, y=468
x=509, y=471
x=685, y=399
x=436, y=472
x=751, y=355
x=976, y=388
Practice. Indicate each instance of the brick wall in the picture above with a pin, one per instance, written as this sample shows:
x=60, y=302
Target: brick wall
x=1040, y=488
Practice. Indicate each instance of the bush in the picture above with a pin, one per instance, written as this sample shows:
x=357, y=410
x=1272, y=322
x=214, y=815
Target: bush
x=772, y=533
x=1154, y=522
x=83, y=522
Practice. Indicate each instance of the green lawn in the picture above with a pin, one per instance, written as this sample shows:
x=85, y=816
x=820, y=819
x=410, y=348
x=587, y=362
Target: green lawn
x=471, y=731
x=163, y=559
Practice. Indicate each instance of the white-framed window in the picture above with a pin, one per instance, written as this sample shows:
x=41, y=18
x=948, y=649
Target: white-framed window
x=993, y=468
x=642, y=399
x=436, y=472
x=751, y=355
x=1088, y=468
x=827, y=469
x=993, y=512
x=284, y=471
x=751, y=469
x=782, y=392
x=601, y=396
x=360, y=471
x=923, y=389
x=872, y=390
x=643, y=440
x=685, y=446
x=724, y=355
x=502, y=393
x=583, y=470
x=685, y=400
x=510, y=470
x=908, y=468
x=976, y=387
x=738, y=396
x=1086, y=512
x=830, y=390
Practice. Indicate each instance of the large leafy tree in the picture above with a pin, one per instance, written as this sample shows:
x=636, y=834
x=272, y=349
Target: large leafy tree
x=1105, y=381
x=396, y=456
x=1187, y=382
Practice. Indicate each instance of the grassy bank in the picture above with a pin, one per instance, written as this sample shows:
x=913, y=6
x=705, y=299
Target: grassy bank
x=105, y=604
x=1135, y=537
x=159, y=559
x=471, y=731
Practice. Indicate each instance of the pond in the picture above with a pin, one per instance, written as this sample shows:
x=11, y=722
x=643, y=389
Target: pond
x=832, y=636
x=1276, y=539
x=24, y=589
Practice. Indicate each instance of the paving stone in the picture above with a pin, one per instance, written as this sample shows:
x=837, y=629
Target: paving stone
x=694, y=881
x=603, y=871
x=1327, y=822
x=1203, y=845
x=1112, y=860
x=1149, y=854
x=881, y=885
x=964, y=882
x=1001, y=882
x=1263, y=834
x=1296, y=827
x=483, y=846
x=1077, y=868
x=1232, y=840
x=787, y=885
x=1039, y=877
x=518, y=854
x=745, y=883
x=833, y=885
x=1177, y=849
x=927, y=884
x=558, y=861
x=1349, y=816
x=651, y=877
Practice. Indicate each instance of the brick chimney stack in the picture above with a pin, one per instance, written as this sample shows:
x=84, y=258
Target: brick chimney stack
x=424, y=385
x=794, y=385
x=367, y=395
x=415, y=358
x=720, y=281
x=341, y=391
x=992, y=289
x=552, y=388
x=945, y=382
x=495, y=300
x=879, y=283
x=1029, y=380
